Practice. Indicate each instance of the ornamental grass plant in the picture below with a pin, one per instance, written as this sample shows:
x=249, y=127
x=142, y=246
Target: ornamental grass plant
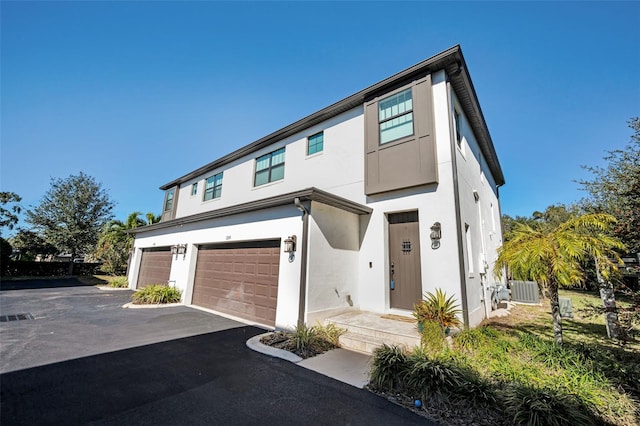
x=156, y=294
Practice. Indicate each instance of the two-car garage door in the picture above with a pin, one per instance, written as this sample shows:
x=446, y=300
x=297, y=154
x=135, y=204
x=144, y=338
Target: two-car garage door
x=239, y=279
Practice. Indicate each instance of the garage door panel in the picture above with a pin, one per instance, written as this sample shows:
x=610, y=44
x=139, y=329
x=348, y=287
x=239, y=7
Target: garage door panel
x=239, y=280
x=155, y=267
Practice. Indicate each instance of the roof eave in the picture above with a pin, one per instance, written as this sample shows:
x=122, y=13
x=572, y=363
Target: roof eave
x=309, y=194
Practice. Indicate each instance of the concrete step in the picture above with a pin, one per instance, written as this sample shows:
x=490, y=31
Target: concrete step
x=366, y=331
x=359, y=343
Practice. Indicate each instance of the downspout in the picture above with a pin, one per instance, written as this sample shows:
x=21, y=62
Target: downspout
x=303, y=260
x=456, y=197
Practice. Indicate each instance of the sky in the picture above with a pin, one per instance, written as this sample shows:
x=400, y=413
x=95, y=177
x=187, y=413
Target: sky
x=137, y=94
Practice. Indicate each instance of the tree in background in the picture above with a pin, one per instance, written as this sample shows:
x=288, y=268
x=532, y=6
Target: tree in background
x=551, y=255
x=9, y=216
x=72, y=213
x=28, y=245
x=615, y=189
x=114, y=245
x=152, y=218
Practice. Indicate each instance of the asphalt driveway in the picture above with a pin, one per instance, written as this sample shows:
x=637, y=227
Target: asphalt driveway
x=85, y=360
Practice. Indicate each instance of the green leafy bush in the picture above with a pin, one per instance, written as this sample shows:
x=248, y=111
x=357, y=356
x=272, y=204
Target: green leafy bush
x=528, y=405
x=388, y=368
x=119, y=282
x=439, y=308
x=306, y=341
x=156, y=294
x=432, y=337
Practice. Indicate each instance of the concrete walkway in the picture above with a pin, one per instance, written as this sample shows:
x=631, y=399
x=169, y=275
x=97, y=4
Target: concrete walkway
x=346, y=366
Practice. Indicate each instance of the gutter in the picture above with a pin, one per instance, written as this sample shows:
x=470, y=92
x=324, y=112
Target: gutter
x=456, y=196
x=302, y=306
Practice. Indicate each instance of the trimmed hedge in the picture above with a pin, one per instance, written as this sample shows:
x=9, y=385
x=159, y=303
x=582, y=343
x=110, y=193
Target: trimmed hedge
x=25, y=268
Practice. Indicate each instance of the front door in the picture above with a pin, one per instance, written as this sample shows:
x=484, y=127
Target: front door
x=405, y=281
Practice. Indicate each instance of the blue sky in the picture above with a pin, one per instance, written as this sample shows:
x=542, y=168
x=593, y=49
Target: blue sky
x=137, y=94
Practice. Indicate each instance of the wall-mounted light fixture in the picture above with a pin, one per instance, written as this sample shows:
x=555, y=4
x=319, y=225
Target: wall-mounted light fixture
x=290, y=247
x=179, y=249
x=290, y=244
x=436, y=235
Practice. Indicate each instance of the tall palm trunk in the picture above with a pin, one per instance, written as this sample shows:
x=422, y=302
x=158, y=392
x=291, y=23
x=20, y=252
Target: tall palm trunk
x=555, y=310
x=609, y=302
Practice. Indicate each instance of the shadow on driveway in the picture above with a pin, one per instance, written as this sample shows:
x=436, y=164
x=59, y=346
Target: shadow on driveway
x=32, y=284
x=205, y=379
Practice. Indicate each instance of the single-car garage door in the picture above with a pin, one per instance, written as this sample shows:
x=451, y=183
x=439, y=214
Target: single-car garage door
x=239, y=279
x=155, y=266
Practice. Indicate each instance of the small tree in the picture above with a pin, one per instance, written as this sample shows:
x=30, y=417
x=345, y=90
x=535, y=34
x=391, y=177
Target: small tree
x=114, y=244
x=552, y=255
x=615, y=189
x=72, y=213
x=9, y=216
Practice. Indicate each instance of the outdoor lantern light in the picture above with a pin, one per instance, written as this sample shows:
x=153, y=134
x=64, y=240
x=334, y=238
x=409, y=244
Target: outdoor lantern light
x=174, y=249
x=436, y=235
x=182, y=248
x=290, y=244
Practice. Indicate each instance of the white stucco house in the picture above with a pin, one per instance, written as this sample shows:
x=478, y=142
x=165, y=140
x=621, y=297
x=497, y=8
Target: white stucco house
x=363, y=205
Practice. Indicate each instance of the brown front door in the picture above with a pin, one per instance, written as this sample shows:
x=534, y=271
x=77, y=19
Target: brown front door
x=405, y=281
x=239, y=279
x=155, y=266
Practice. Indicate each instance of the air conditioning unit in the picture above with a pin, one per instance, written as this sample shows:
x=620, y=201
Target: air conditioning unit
x=525, y=292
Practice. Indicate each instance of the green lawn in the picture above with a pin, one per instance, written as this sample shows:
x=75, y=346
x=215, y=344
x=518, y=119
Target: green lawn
x=510, y=369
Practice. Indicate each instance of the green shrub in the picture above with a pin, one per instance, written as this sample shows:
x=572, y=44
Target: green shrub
x=528, y=405
x=307, y=341
x=432, y=337
x=439, y=308
x=427, y=376
x=156, y=294
x=330, y=333
x=119, y=282
x=388, y=368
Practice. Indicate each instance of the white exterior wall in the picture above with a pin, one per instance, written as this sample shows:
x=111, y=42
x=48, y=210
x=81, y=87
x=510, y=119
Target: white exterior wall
x=435, y=203
x=482, y=217
x=277, y=223
x=338, y=169
x=348, y=254
x=332, y=277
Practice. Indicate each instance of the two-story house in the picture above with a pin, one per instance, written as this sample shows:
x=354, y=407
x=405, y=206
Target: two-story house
x=363, y=205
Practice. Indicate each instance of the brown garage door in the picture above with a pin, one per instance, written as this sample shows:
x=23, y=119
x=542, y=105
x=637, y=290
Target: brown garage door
x=239, y=279
x=155, y=266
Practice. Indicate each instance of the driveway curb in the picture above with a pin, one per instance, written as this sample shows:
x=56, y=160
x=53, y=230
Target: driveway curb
x=132, y=305
x=255, y=344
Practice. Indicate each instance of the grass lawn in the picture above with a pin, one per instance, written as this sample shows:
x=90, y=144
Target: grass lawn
x=509, y=371
x=576, y=330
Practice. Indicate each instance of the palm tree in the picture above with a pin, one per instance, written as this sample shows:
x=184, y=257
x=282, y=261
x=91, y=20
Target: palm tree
x=114, y=244
x=152, y=218
x=552, y=255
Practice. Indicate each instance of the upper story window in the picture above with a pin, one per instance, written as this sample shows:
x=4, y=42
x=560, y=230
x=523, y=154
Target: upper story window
x=456, y=119
x=168, y=201
x=269, y=167
x=315, y=143
x=213, y=187
x=395, y=116
x=194, y=189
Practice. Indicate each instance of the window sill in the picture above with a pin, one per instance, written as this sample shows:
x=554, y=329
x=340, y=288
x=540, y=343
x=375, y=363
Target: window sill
x=314, y=155
x=253, y=188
